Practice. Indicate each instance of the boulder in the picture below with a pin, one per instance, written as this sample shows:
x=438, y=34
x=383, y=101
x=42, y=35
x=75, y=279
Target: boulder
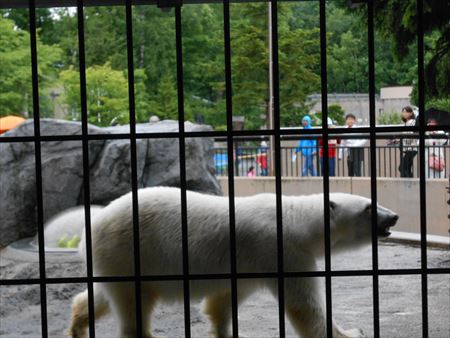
x=110, y=169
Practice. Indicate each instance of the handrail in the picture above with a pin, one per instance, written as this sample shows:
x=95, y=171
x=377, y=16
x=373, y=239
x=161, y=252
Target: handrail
x=389, y=159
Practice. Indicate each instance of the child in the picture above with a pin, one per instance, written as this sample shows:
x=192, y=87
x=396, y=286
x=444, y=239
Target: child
x=251, y=172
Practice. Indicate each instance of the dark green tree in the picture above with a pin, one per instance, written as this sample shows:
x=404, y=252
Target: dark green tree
x=15, y=70
x=398, y=19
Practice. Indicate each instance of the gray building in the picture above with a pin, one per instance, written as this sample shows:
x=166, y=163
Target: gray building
x=390, y=99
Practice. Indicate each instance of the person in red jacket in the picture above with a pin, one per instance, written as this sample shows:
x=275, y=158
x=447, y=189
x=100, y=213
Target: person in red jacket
x=332, y=144
x=261, y=159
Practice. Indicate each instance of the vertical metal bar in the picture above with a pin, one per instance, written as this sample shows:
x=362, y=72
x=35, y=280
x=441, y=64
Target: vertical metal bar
x=418, y=162
x=86, y=176
x=390, y=160
x=445, y=160
x=182, y=142
x=423, y=211
x=133, y=162
x=38, y=164
x=326, y=179
x=273, y=5
x=337, y=160
x=236, y=159
x=364, y=162
x=373, y=178
x=231, y=193
x=291, y=163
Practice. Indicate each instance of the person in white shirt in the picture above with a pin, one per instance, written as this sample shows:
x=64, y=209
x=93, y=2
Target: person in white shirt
x=409, y=145
x=353, y=148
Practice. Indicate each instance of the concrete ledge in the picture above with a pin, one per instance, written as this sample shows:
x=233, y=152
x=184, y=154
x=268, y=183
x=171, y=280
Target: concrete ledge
x=414, y=239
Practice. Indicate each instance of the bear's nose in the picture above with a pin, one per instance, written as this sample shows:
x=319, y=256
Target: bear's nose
x=391, y=221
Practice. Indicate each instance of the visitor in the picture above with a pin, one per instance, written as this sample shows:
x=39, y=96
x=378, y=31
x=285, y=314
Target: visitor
x=251, y=172
x=409, y=148
x=354, y=149
x=434, y=152
x=332, y=144
x=307, y=148
x=261, y=159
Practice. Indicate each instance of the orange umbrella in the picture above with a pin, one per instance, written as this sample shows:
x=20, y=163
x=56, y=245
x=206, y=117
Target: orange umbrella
x=10, y=122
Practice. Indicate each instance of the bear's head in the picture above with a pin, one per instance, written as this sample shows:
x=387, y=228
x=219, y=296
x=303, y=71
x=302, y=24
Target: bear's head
x=352, y=220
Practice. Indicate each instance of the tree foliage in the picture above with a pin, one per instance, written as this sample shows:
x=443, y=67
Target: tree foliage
x=335, y=112
x=203, y=58
x=398, y=20
x=106, y=91
x=390, y=118
x=15, y=70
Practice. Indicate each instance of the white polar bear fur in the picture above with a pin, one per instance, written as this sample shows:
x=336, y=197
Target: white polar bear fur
x=208, y=235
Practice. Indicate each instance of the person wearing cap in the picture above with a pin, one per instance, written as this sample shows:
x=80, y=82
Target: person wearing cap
x=261, y=159
x=307, y=148
x=332, y=144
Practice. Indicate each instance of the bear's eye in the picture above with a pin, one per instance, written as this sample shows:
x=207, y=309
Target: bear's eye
x=368, y=208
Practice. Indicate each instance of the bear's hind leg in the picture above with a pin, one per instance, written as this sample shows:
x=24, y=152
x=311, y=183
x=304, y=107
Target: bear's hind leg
x=122, y=301
x=80, y=312
x=218, y=309
x=149, y=299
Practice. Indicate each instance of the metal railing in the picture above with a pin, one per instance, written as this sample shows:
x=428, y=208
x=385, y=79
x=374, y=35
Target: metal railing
x=254, y=160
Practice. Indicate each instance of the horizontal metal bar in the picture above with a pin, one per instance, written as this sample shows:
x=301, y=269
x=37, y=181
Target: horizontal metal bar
x=155, y=278
x=247, y=135
x=90, y=3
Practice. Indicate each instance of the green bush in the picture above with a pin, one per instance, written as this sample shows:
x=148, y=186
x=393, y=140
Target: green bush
x=390, y=118
x=440, y=104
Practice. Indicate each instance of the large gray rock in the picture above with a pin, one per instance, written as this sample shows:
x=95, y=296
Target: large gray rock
x=110, y=170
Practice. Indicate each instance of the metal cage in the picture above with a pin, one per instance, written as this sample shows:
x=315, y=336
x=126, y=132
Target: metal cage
x=230, y=135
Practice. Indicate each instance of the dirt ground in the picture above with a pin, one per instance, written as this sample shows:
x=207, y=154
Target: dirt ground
x=400, y=299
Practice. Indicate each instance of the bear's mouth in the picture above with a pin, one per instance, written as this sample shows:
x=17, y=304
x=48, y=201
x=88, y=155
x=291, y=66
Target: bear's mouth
x=383, y=230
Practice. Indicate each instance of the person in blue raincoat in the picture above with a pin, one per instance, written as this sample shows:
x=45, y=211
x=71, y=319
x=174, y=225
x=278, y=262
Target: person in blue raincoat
x=307, y=148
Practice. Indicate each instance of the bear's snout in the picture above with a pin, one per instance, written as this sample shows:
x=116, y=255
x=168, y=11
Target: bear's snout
x=386, y=224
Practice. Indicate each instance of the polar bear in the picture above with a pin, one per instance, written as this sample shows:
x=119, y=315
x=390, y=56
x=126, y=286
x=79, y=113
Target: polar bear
x=208, y=235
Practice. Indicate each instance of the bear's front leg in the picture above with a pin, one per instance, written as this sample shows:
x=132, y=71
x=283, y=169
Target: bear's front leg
x=353, y=333
x=305, y=308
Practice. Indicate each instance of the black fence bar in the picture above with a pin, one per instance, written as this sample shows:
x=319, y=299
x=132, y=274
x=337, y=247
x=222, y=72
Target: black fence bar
x=86, y=175
x=70, y=3
x=423, y=202
x=182, y=150
x=133, y=163
x=257, y=275
x=286, y=134
x=326, y=182
x=373, y=173
x=277, y=144
x=230, y=152
x=38, y=163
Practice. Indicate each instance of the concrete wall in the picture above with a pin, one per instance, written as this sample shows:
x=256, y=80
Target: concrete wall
x=391, y=99
x=400, y=195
